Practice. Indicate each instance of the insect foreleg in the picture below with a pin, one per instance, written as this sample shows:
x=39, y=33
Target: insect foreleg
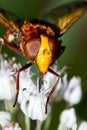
x=17, y=80
x=54, y=87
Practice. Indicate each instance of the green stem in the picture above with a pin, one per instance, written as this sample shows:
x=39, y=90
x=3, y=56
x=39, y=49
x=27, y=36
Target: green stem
x=27, y=123
x=38, y=125
x=47, y=123
x=8, y=106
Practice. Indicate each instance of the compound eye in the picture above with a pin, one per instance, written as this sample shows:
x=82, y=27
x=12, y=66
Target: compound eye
x=31, y=48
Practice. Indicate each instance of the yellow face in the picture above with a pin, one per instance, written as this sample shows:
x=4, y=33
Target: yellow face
x=44, y=56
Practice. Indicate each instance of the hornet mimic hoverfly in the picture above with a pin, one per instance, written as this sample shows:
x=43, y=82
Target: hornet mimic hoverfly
x=37, y=39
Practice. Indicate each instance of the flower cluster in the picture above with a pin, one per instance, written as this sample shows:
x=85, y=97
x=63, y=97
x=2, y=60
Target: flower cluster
x=7, y=78
x=68, y=120
x=32, y=100
x=6, y=122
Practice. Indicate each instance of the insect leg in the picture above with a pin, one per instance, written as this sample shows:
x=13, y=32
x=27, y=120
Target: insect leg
x=13, y=47
x=54, y=87
x=17, y=80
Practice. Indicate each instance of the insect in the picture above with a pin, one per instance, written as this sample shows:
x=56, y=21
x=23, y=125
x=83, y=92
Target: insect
x=37, y=39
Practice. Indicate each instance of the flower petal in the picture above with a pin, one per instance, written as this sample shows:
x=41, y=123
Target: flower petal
x=73, y=93
x=12, y=126
x=83, y=126
x=5, y=118
x=35, y=107
x=7, y=87
x=68, y=118
x=7, y=82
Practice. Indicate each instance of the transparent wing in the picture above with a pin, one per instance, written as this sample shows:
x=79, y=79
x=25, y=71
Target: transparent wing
x=9, y=19
x=64, y=16
x=10, y=16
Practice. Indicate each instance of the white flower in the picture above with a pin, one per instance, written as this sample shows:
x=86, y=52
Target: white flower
x=32, y=102
x=24, y=83
x=5, y=118
x=70, y=91
x=68, y=118
x=6, y=123
x=7, y=82
x=35, y=106
x=12, y=126
x=83, y=126
x=48, y=81
x=73, y=91
x=61, y=88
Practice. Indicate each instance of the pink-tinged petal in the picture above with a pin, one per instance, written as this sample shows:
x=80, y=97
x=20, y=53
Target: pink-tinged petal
x=5, y=128
x=12, y=126
x=5, y=118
